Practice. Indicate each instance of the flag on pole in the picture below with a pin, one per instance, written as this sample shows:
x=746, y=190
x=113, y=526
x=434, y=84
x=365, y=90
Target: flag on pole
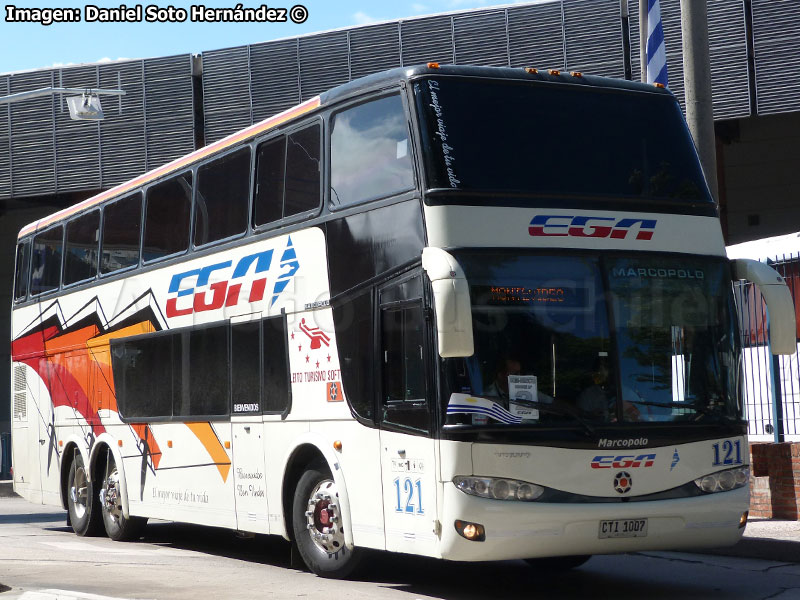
x=656, y=51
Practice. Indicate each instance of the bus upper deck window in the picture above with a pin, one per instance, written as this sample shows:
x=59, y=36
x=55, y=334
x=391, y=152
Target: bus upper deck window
x=370, y=155
x=22, y=270
x=166, y=221
x=302, y=171
x=223, y=188
x=270, y=167
x=46, y=260
x=122, y=224
x=80, y=262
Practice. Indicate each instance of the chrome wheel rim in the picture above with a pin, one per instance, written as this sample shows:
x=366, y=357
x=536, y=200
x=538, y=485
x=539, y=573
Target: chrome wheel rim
x=323, y=519
x=110, y=496
x=79, y=492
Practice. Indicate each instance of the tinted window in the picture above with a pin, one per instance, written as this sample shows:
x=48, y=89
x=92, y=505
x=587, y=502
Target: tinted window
x=270, y=163
x=143, y=370
x=22, y=266
x=82, y=248
x=46, y=262
x=166, y=227
x=370, y=155
x=204, y=372
x=276, y=366
x=122, y=222
x=246, y=367
x=302, y=171
x=221, y=201
x=519, y=139
x=354, y=335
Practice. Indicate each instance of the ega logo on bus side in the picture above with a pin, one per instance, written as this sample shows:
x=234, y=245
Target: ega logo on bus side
x=192, y=291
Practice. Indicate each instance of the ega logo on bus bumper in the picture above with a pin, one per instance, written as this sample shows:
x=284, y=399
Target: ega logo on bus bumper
x=591, y=227
x=623, y=462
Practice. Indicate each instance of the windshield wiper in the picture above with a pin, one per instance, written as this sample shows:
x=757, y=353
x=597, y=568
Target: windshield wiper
x=560, y=411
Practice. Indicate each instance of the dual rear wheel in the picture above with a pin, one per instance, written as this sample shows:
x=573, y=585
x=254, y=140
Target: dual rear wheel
x=91, y=509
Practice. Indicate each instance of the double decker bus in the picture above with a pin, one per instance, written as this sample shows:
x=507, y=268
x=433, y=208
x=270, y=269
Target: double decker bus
x=460, y=312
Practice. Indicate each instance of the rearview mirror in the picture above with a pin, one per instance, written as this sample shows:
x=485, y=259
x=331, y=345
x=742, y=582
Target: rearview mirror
x=782, y=324
x=451, y=303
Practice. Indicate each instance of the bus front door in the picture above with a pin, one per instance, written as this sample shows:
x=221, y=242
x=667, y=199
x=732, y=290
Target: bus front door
x=408, y=457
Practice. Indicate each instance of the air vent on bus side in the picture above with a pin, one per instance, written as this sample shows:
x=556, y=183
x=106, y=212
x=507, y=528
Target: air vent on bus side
x=20, y=394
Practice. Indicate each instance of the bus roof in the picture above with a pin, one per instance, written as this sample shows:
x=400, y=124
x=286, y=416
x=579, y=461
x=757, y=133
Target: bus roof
x=353, y=88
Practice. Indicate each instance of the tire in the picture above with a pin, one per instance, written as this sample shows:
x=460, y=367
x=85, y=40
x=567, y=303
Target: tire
x=317, y=526
x=118, y=527
x=83, y=516
x=558, y=563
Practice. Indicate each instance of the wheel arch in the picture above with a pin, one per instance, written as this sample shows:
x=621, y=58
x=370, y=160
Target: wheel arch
x=71, y=444
x=308, y=450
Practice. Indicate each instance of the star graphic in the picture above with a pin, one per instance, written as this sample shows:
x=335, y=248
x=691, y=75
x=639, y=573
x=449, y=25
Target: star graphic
x=329, y=358
x=318, y=364
x=299, y=348
x=307, y=358
x=292, y=337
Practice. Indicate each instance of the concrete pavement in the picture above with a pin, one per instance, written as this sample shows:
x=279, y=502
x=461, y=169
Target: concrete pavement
x=767, y=539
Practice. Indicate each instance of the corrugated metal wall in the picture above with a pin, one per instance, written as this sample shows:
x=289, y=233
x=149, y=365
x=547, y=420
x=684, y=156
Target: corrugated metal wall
x=579, y=34
x=727, y=43
x=44, y=152
x=776, y=45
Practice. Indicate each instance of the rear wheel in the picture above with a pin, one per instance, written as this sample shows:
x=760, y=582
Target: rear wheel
x=83, y=516
x=118, y=527
x=558, y=563
x=317, y=526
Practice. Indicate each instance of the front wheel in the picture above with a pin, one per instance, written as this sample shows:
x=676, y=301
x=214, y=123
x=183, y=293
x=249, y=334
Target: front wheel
x=118, y=527
x=558, y=563
x=83, y=516
x=317, y=526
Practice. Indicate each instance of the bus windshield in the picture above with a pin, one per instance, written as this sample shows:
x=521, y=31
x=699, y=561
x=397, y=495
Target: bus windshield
x=538, y=138
x=581, y=340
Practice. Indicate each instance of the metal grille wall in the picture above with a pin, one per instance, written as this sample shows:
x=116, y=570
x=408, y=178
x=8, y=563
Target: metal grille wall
x=727, y=41
x=776, y=39
x=43, y=151
x=579, y=34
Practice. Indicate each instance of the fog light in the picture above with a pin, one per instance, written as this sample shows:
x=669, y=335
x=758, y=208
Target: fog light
x=471, y=531
x=743, y=519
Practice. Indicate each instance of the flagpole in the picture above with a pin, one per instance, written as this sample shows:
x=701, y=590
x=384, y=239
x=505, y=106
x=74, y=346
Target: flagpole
x=643, y=39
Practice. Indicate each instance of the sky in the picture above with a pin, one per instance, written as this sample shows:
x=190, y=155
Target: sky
x=25, y=46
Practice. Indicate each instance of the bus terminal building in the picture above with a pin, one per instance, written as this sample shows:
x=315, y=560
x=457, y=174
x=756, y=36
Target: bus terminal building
x=175, y=105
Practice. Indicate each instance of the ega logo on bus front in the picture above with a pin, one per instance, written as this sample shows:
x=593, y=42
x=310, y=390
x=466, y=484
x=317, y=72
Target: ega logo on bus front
x=193, y=291
x=591, y=227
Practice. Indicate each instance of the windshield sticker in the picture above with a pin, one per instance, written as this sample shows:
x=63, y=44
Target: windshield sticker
x=470, y=405
x=441, y=133
x=522, y=388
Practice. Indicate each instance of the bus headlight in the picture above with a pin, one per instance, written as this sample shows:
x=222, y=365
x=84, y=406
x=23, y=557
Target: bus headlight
x=499, y=489
x=724, y=481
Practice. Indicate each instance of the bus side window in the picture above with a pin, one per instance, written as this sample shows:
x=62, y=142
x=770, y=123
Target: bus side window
x=402, y=351
x=22, y=270
x=277, y=392
x=122, y=223
x=221, y=201
x=46, y=260
x=246, y=368
x=370, y=154
x=80, y=258
x=166, y=222
x=302, y=171
x=202, y=365
x=270, y=167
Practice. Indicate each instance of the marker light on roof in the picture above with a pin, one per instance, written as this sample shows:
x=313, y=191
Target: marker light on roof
x=433, y=65
x=659, y=85
x=531, y=70
x=554, y=72
x=576, y=73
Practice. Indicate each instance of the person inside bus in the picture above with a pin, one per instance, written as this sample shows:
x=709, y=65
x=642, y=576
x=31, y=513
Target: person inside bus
x=599, y=400
x=499, y=386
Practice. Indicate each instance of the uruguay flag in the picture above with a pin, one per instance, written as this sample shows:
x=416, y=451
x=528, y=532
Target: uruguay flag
x=656, y=51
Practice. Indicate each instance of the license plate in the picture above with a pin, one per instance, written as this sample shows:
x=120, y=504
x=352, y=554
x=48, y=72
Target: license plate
x=622, y=528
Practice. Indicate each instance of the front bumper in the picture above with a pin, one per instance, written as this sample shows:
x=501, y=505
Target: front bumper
x=531, y=529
